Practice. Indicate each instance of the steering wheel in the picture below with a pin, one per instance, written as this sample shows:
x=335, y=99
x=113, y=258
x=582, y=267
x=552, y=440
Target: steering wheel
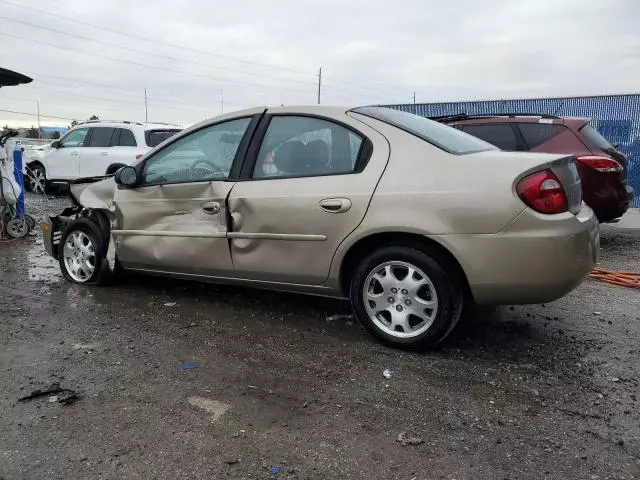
x=201, y=170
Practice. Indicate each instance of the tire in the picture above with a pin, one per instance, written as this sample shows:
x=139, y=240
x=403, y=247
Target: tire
x=82, y=254
x=413, y=313
x=36, y=180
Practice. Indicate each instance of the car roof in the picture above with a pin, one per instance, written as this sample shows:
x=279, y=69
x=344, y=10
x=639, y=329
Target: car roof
x=129, y=124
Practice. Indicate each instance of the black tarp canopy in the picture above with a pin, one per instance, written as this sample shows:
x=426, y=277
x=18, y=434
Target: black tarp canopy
x=9, y=78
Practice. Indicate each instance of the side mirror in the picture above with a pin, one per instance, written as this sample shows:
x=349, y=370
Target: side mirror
x=55, y=144
x=126, y=176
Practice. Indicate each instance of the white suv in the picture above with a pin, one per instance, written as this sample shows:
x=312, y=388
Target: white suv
x=90, y=148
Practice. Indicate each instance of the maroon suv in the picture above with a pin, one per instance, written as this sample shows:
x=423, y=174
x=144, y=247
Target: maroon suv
x=602, y=168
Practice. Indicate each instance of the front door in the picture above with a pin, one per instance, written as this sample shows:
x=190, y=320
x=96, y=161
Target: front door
x=175, y=220
x=307, y=187
x=63, y=163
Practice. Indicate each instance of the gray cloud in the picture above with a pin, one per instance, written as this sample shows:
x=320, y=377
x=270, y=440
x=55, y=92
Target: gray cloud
x=371, y=52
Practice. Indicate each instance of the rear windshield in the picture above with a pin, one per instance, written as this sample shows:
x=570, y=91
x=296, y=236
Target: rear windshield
x=595, y=138
x=156, y=137
x=442, y=136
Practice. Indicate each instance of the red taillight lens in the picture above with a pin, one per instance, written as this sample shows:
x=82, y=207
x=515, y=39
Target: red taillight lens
x=139, y=156
x=601, y=164
x=543, y=192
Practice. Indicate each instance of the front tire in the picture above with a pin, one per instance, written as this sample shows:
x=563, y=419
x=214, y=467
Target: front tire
x=406, y=298
x=82, y=254
x=36, y=179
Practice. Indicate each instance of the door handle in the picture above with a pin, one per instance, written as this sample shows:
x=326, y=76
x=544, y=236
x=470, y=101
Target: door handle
x=211, y=208
x=74, y=154
x=104, y=154
x=335, y=205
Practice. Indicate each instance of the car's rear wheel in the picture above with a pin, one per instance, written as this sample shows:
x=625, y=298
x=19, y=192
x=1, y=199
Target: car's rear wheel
x=82, y=254
x=36, y=179
x=405, y=297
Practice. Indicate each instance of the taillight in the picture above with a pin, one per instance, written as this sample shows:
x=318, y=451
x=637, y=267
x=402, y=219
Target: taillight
x=139, y=156
x=543, y=192
x=600, y=164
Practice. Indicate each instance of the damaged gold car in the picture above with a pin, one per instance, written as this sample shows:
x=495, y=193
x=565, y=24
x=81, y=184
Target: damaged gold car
x=406, y=217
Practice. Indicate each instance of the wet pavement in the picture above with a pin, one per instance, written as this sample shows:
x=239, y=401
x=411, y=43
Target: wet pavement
x=186, y=380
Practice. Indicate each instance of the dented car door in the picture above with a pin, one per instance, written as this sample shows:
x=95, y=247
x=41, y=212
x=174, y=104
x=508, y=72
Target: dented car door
x=307, y=184
x=176, y=219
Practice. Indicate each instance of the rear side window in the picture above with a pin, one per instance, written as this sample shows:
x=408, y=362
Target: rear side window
x=126, y=138
x=535, y=134
x=156, y=137
x=100, y=136
x=595, y=138
x=438, y=134
x=499, y=134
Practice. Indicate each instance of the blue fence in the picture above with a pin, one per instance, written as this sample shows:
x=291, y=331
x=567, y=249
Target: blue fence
x=616, y=117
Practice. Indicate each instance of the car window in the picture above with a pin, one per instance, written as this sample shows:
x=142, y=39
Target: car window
x=206, y=154
x=74, y=138
x=438, y=134
x=156, y=137
x=537, y=133
x=126, y=138
x=100, y=136
x=499, y=134
x=595, y=138
x=297, y=146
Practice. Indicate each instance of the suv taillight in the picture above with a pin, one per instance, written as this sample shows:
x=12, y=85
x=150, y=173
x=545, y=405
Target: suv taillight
x=543, y=192
x=600, y=164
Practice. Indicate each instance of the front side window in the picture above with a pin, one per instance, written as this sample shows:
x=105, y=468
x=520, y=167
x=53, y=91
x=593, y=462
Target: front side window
x=74, y=138
x=296, y=146
x=100, y=137
x=499, y=134
x=438, y=134
x=203, y=155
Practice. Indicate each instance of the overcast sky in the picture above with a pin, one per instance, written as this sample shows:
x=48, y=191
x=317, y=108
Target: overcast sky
x=189, y=54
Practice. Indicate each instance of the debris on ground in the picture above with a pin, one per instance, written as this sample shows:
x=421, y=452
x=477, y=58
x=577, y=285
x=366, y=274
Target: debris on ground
x=65, y=396
x=387, y=373
x=275, y=470
x=342, y=316
x=170, y=304
x=187, y=366
x=87, y=346
x=404, y=440
x=232, y=461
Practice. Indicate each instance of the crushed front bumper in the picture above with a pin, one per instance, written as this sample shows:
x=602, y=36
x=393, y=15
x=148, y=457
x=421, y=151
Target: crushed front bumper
x=53, y=227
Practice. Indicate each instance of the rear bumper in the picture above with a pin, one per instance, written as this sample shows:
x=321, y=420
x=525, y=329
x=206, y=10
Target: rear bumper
x=536, y=259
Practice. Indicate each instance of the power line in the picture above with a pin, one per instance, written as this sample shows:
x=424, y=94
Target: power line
x=167, y=57
x=155, y=67
x=35, y=114
x=159, y=42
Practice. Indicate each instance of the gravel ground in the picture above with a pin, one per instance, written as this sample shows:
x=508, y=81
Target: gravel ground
x=285, y=386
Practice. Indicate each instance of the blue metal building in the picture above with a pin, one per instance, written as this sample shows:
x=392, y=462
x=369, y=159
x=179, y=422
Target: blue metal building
x=616, y=117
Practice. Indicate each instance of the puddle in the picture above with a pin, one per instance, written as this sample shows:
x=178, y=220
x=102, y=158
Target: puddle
x=42, y=268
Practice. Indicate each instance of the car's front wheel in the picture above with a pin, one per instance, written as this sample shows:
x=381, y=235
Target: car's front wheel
x=36, y=179
x=82, y=253
x=405, y=297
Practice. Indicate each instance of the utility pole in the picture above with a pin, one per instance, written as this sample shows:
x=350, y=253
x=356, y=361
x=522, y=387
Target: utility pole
x=414, y=97
x=221, y=102
x=39, y=130
x=319, y=84
x=146, y=107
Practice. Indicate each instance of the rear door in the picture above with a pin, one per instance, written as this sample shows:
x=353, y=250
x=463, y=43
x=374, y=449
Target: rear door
x=96, y=155
x=175, y=220
x=306, y=185
x=63, y=163
x=124, y=147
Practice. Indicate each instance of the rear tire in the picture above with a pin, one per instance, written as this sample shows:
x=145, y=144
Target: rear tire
x=82, y=254
x=406, y=298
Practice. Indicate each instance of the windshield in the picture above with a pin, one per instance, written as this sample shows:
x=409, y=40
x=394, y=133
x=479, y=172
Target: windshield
x=156, y=137
x=595, y=138
x=442, y=136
